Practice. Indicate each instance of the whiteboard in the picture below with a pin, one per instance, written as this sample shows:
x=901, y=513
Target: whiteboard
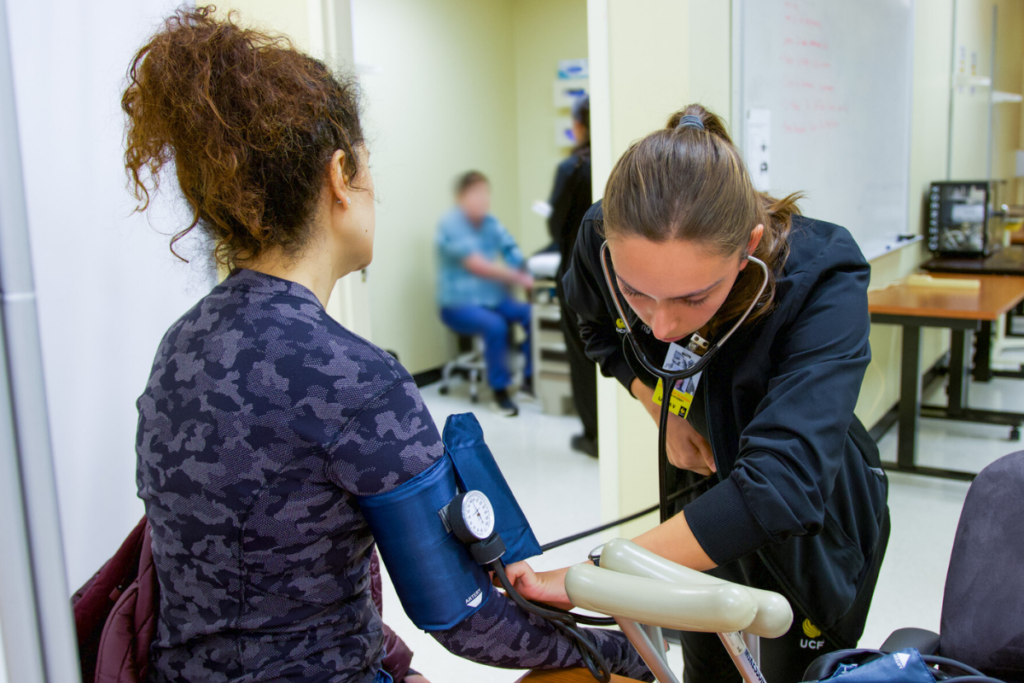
x=823, y=107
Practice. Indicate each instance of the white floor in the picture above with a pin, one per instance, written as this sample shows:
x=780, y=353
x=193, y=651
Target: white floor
x=558, y=490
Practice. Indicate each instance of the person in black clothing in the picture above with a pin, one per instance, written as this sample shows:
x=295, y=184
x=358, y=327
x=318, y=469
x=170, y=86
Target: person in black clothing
x=792, y=496
x=570, y=199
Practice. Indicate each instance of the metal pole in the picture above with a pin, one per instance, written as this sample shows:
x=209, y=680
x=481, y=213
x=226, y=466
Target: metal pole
x=22, y=647
x=657, y=639
x=38, y=631
x=648, y=651
x=754, y=645
x=741, y=657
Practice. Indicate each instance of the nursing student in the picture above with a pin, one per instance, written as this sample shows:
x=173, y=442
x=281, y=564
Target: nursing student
x=794, y=499
x=264, y=420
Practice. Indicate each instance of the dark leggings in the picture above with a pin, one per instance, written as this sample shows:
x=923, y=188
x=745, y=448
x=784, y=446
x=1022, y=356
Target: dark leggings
x=784, y=659
x=582, y=373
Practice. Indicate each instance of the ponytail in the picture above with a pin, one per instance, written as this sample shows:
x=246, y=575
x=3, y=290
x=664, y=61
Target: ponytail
x=250, y=125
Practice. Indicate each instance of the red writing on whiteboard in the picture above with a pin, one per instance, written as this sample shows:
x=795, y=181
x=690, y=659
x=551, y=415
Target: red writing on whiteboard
x=810, y=107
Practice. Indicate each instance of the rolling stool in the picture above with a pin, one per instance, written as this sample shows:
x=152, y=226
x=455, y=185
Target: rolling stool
x=471, y=362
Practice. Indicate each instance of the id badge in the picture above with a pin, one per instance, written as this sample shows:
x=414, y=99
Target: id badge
x=679, y=358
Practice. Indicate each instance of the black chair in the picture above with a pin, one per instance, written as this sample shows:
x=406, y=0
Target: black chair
x=982, y=622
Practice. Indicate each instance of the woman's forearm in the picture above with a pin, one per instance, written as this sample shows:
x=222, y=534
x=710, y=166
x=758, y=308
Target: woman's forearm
x=481, y=266
x=674, y=541
x=501, y=634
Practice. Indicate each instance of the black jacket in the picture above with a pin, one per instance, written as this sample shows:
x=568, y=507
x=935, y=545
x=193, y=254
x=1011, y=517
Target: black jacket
x=799, y=482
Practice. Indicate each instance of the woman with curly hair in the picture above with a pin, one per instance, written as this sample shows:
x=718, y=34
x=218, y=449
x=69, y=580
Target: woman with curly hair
x=264, y=419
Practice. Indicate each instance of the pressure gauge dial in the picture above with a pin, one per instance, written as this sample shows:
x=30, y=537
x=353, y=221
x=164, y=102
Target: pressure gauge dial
x=471, y=517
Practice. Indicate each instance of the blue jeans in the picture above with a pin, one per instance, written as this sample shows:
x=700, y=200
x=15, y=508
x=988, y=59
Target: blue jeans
x=383, y=677
x=492, y=323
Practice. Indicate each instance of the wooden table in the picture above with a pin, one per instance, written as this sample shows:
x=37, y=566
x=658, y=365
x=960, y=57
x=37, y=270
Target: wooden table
x=963, y=312
x=1007, y=261
x=567, y=676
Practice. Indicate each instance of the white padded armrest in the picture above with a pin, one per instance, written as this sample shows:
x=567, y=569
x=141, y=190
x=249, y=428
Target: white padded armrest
x=774, y=614
x=728, y=607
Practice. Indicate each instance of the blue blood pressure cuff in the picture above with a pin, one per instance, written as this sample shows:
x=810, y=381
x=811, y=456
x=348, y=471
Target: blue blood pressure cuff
x=436, y=578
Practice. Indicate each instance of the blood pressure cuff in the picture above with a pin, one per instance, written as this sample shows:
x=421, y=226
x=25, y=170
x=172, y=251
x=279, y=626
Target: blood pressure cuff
x=476, y=469
x=437, y=581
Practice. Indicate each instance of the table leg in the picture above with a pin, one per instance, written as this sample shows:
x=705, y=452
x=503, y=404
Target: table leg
x=956, y=408
x=959, y=370
x=1018, y=311
x=910, y=397
x=983, y=353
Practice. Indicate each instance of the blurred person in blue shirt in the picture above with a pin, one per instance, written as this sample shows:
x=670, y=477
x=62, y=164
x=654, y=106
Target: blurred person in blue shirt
x=473, y=287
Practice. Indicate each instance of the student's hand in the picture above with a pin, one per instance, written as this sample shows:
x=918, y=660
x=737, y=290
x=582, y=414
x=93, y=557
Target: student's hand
x=525, y=280
x=687, y=449
x=416, y=678
x=548, y=587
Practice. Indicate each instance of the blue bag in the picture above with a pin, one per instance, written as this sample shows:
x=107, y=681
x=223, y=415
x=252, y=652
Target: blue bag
x=905, y=666
x=436, y=578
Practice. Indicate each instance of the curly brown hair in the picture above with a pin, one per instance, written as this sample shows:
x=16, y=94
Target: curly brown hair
x=689, y=183
x=250, y=125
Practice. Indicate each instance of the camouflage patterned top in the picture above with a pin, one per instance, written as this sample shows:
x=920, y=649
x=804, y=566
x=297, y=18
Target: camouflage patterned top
x=262, y=420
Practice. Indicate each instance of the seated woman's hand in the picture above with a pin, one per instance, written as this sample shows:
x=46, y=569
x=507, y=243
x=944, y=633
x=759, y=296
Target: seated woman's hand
x=503, y=634
x=548, y=587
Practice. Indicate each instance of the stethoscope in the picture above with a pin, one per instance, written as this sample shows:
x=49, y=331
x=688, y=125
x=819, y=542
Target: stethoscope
x=670, y=378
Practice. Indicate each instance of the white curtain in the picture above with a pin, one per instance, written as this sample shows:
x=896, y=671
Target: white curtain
x=107, y=284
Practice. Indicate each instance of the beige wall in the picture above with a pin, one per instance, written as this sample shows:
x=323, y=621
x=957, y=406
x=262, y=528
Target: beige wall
x=972, y=41
x=643, y=72
x=290, y=19
x=439, y=100
x=974, y=20
x=1009, y=77
x=545, y=31
x=452, y=85
x=929, y=147
x=448, y=85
